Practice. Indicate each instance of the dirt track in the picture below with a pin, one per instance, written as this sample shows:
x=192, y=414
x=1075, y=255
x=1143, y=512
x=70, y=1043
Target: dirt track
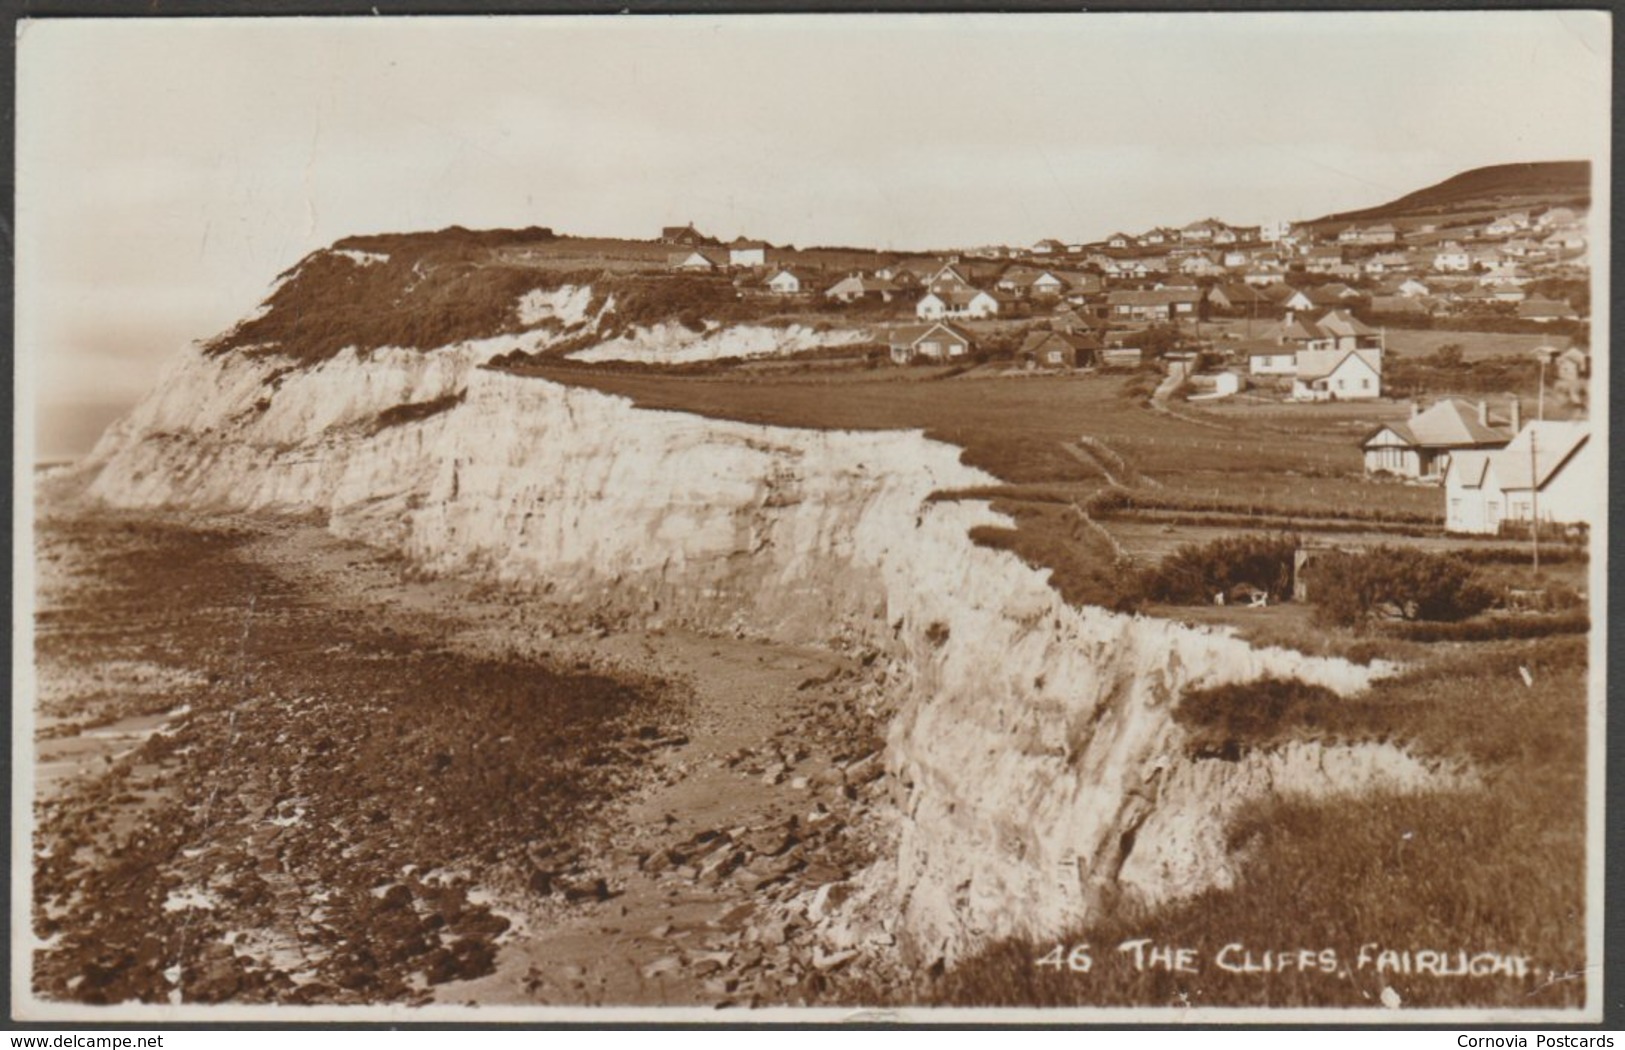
x=275, y=767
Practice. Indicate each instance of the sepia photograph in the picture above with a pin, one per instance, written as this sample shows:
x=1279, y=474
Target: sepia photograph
x=938, y=518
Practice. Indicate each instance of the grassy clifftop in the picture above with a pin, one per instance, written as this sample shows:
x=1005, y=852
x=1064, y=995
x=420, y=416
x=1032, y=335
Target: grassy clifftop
x=426, y=290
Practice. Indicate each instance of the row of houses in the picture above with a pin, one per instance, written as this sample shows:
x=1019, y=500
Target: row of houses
x=1492, y=473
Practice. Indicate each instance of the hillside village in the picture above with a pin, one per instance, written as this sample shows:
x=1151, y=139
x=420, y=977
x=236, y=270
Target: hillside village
x=1287, y=311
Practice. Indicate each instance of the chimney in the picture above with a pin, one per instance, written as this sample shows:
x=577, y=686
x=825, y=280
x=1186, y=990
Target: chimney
x=1483, y=413
x=1416, y=408
x=1517, y=416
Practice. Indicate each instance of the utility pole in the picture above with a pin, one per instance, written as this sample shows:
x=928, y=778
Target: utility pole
x=1544, y=354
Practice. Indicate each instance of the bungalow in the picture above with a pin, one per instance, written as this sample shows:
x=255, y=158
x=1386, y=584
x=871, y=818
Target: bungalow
x=1238, y=298
x=1548, y=471
x=1338, y=375
x=1265, y=274
x=785, y=282
x=1204, y=231
x=935, y=342
x=1547, y=310
x=1159, y=235
x=742, y=252
x=1299, y=301
x=1413, y=288
x=1058, y=350
x=1386, y=262
x=854, y=287
x=957, y=303
x=1508, y=224
x=1160, y=304
x=1120, y=241
x=1452, y=258
x=1568, y=239
x=1421, y=446
x=1200, y=265
x=1557, y=217
x=697, y=261
x=1269, y=358
x=1049, y=246
x=1323, y=259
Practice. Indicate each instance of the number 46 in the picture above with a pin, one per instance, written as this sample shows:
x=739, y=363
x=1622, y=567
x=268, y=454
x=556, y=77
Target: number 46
x=1077, y=960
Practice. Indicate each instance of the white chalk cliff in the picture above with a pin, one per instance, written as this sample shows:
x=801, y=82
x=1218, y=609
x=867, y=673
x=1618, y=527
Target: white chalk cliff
x=1036, y=767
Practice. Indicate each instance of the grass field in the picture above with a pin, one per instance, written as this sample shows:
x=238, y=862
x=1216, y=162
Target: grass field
x=1057, y=443
x=1474, y=345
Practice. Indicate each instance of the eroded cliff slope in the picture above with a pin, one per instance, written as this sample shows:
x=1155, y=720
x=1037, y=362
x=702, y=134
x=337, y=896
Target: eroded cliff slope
x=1037, y=771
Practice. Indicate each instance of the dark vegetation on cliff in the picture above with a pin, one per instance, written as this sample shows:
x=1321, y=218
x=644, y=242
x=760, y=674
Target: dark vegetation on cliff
x=420, y=291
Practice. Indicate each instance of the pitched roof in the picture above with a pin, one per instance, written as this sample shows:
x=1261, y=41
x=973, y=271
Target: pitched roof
x=1554, y=443
x=1450, y=423
x=1342, y=323
x=1317, y=364
x=1154, y=297
x=910, y=334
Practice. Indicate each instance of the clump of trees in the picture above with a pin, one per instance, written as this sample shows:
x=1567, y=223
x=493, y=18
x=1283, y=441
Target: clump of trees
x=1194, y=573
x=1350, y=589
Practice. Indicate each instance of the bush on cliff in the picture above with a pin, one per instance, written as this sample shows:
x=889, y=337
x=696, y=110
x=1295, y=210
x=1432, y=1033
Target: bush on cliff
x=1352, y=588
x=1194, y=573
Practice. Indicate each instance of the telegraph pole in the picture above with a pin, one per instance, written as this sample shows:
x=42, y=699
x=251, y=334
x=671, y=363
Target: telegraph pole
x=1545, y=354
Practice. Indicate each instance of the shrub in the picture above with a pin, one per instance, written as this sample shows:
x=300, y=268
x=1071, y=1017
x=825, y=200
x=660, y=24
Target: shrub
x=1193, y=574
x=1350, y=589
x=1494, y=628
x=1225, y=721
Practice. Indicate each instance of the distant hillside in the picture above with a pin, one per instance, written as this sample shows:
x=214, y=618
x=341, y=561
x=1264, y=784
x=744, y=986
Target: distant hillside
x=1482, y=190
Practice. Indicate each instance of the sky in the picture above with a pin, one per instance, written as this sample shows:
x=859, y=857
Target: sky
x=168, y=169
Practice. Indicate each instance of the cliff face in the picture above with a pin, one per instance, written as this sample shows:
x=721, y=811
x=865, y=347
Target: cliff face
x=1037, y=770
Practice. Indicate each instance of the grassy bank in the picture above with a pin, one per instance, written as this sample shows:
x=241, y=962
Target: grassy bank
x=1493, y=868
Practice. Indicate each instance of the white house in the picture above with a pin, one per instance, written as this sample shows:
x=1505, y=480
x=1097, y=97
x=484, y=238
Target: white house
x=856, y=286
x=956, y=303
x=785, y=282
x=747, y=253
x=1452, y=258
x=1272, y=359
x=697, y=261
x=1550, y=465
x=1338, y=375
x=1421, y=447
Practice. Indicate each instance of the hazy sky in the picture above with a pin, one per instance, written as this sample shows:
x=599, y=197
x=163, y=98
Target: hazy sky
x=168, y=169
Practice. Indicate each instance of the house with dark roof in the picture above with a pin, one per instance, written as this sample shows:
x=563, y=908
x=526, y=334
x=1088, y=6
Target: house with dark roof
x=854, y=287
x=938, y=341
x=1156, y=304
x=687, y=236
x=1074, y=349
x=1238, y=298
x=1421, y=446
